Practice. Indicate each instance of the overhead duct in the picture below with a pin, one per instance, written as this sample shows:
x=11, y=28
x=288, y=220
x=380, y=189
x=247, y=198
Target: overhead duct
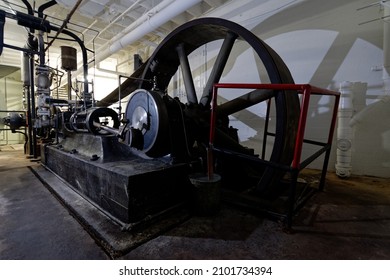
x=158, y=16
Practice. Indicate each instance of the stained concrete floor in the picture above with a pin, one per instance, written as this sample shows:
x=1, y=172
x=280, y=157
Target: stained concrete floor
x=349, y=220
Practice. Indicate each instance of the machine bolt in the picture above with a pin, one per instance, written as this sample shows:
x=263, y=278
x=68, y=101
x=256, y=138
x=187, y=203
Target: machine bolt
x=94, y=157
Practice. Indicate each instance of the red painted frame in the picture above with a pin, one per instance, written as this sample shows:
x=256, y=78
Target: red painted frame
x=305, y=89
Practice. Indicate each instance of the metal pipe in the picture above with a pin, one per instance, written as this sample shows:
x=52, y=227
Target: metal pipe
x=29, y=8
x=265, y=132
x=41, y=49
x=66, y=21
x=33, y=115
x=45, y=6
x=69, y=76
x=30, y=12
x=115, y=20
x=2, y=22
x=162, y=13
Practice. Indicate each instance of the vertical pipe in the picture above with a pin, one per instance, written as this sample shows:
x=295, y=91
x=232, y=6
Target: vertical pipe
x=119, y=97
x=69, y=75
x=344, y=131
x=2, y=22
x=25, y=77
x=265, y=133
x=33, y=115
x=213, y=117
x=386, y=51
x=29, y=120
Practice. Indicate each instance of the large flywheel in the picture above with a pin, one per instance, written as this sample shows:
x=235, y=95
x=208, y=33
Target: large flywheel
x=174, y=51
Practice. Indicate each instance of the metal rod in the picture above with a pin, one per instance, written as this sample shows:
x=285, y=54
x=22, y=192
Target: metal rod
x=301, y=126
x=106, y=128
x=368, y=6
x=69, y=76
x=252, y=159
x=119, y=97
x=29, y=51
x=66, y=21
x=315, y=155
x=291, y=199
x=29, y=120
x=265, y=134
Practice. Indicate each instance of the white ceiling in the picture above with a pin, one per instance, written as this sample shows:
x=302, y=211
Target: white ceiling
x=98, y=23
x=101, y=24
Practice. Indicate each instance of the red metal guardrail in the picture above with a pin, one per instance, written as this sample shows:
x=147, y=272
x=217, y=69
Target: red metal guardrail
x=305, y=89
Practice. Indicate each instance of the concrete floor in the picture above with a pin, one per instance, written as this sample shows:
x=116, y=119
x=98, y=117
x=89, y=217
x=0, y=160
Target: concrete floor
x=349, y=220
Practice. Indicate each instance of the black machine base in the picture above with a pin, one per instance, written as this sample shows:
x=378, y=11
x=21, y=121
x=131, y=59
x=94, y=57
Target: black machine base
x=125, y=185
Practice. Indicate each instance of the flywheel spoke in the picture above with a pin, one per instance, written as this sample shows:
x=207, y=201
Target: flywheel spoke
x=218, y=67
x=245, y=101
x=187, y=75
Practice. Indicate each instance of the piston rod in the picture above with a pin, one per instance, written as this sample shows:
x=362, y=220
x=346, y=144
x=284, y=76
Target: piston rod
x=106, y=128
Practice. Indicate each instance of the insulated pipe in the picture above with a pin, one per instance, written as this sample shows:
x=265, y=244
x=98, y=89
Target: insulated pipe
x=114, y=21
x=344, y=131
x=149, y=23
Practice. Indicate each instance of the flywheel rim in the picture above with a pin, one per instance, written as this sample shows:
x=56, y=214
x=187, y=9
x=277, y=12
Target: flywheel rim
x=164, y=63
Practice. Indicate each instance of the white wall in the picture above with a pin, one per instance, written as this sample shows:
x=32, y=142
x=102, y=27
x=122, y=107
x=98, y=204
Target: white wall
x=329, y=47
x=10, y=100
x=323, y=43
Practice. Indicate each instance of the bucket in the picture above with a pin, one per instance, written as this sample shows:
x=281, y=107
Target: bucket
x=206, y=194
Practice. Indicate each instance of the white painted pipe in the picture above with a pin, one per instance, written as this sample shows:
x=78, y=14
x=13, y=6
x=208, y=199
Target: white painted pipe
x=147, y=23
x=150, y=22
x=344, y=131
